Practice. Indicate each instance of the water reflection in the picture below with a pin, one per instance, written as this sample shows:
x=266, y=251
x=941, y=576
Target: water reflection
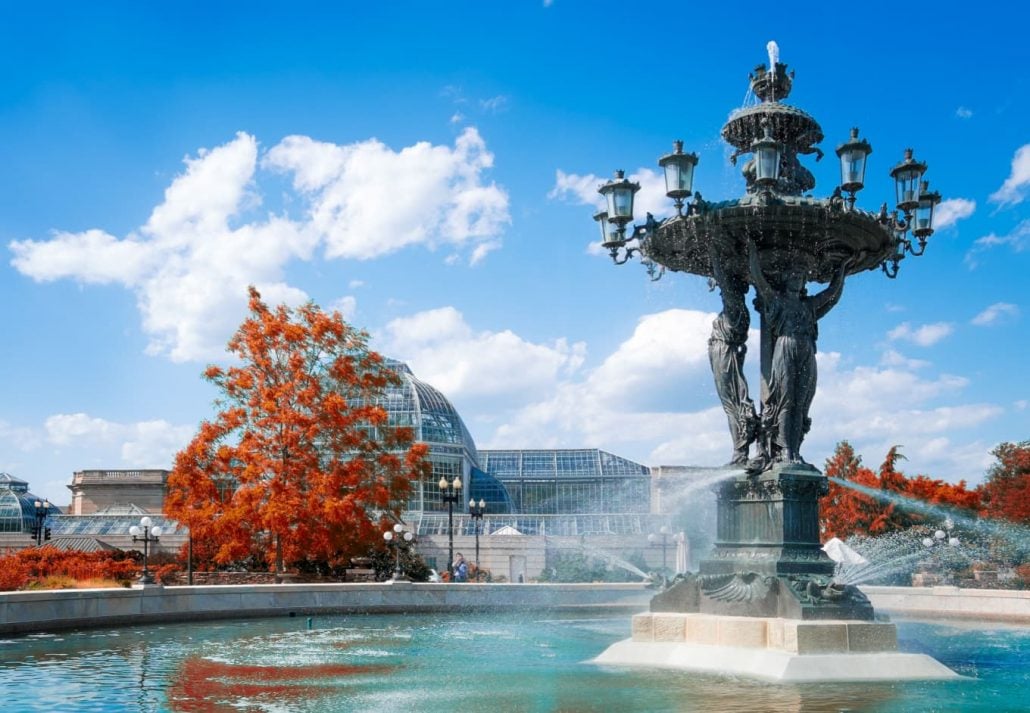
x=443, y=663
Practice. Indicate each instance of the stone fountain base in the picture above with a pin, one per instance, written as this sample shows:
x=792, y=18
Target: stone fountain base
x=771, y=648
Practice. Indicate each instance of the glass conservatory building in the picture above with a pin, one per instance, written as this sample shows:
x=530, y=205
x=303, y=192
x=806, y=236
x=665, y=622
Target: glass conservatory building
x=18, y=505
x=452, y=451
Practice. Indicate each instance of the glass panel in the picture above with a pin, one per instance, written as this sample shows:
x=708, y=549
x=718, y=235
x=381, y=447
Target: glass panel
x=622, y=202
x=673, y=179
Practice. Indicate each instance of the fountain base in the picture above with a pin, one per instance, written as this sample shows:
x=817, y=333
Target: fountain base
x=771, y=648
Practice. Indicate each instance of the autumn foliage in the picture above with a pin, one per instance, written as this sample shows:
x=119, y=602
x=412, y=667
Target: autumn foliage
x=300, y=465
x=37, y=564
x=846, y=511
x=1006, y=490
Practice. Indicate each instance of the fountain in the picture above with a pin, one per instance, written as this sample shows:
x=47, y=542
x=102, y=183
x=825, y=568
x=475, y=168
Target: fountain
x=768, y=588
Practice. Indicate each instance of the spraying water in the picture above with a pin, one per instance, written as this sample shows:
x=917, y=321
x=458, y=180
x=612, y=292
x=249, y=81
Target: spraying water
x=614, y=560
x=1016, y=534
x=774, y=54
x=676, y=495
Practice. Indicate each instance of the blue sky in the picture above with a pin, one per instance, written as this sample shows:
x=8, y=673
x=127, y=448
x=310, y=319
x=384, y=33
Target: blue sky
x=429, y=169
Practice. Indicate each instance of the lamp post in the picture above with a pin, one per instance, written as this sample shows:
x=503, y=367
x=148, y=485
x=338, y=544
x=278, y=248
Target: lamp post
x=146, y=532
x=450, y=493
x=661, y=540
x=398, y=537
x=476, y=512
x=777, y=237
x=40, y=531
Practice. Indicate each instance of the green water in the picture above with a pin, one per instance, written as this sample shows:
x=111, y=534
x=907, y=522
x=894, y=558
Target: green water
x=477, y=662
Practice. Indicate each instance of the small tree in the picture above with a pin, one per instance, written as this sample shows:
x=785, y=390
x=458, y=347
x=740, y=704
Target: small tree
x=300, y=464
x=844, y=511
x=1006, y=490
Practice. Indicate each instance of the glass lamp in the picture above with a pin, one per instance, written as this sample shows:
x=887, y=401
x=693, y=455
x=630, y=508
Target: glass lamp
x=852, y=156
x=619, y=193
x=768, y=153
x=928, y=200
x=609, y=237
x=679, y=174
x=906, y=177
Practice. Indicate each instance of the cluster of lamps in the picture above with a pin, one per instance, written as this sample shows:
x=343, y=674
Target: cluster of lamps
x=40, y=532
x=940, y=536
x=398, y=537
x=915, y=201
x=147, y=533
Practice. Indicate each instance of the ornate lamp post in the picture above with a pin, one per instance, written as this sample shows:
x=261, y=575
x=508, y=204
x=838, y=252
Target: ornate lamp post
x=40, y=531
x=776, y=237
x=398, y=537
x=661, y=540
x=450, y=493
x=147, y=533
x=476, y=512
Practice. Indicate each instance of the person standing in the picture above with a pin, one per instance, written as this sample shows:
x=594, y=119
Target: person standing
x=460, y=569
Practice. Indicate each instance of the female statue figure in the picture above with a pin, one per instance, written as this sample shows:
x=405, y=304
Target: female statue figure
x=792, y=316
x=727, y=348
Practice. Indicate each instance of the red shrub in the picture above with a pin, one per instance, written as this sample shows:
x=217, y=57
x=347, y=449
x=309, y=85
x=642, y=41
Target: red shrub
x=13, y=573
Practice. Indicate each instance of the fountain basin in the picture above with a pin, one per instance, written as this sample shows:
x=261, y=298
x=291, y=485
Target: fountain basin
x=772, y=648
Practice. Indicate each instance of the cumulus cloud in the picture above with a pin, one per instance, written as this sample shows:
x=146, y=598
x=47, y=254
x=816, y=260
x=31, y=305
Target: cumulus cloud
x=367, y=200
x=924, y=336
x=445, y=351
x=964, y=112
x=996, y=313
x=1018, y=241
x=951, y=211
x=1014, y=189
x=190, y=264
x=144, y=444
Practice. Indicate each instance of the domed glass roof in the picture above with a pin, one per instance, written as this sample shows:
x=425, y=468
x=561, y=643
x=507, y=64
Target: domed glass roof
x=417, y=404
x=18, y=505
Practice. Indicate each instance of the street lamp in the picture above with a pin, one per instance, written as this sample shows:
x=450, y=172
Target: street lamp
x=40, y=531
x=146, y=532
x=663, y=533
x=398, y=537
x=476, y=512
x=450, y=493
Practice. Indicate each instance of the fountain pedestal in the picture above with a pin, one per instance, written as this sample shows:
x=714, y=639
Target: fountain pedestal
x=771, y=648
x=767, y=560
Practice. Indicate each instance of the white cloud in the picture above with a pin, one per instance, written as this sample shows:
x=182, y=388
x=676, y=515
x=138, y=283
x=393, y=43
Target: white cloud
x=995, y=313
x=964, y=112
x=355, y=284
x=925, y=336
x=896, y=359
x=144, y=444
x=347, y=306
x=367, y=201
x=494, y=105
x=951, y=211
x=444, y=350
x=1018, y=240
x=190, y=264
x=1013, y=190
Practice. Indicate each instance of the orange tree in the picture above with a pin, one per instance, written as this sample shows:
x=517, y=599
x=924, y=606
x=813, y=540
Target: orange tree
x=300, y=464
x=846, y=511
x=1006, y=490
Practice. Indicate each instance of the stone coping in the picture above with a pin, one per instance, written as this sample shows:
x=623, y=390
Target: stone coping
x=946, y=602
x=25, y=612
x=793, y=636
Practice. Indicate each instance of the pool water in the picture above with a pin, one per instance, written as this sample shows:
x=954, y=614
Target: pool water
x=469, y=662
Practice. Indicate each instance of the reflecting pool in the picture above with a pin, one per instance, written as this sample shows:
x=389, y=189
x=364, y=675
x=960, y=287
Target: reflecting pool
x=511, y=662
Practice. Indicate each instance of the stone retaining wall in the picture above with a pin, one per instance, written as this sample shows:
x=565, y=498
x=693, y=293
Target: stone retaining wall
x=22, y=612
x=1011, y=605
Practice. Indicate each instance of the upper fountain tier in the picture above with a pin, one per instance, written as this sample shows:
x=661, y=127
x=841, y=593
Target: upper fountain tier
x=792, y=127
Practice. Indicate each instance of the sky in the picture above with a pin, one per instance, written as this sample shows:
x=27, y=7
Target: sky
x=430, y=170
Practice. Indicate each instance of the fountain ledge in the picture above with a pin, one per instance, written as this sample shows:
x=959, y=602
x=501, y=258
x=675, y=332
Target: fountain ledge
x=771, y=648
